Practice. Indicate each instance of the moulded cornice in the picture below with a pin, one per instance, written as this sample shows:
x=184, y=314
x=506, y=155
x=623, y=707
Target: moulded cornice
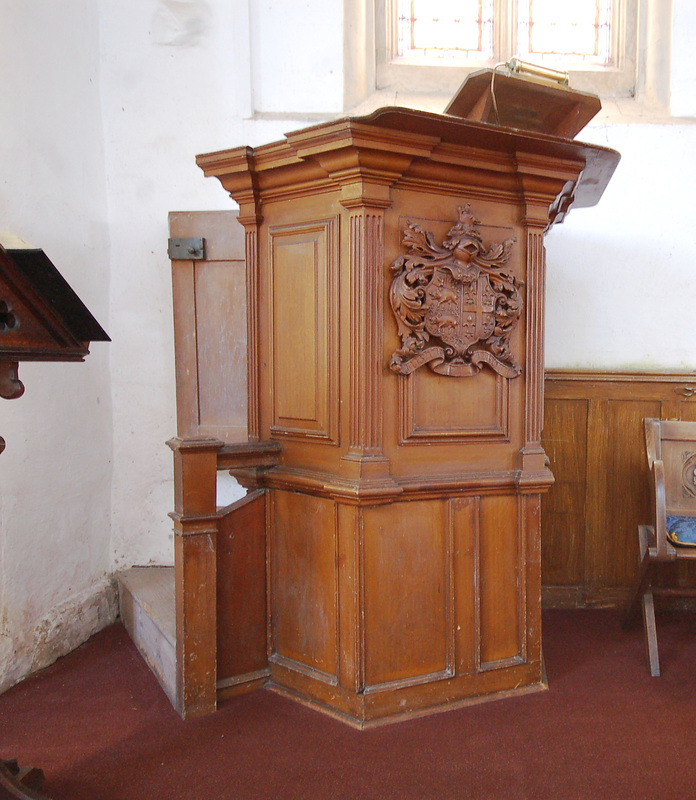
x=223, y=162
x=235, y=169
x=422, y=487
x=392, y=144
x=548, y=187
x=364, y=159
x=350, y=133
x=473, y=157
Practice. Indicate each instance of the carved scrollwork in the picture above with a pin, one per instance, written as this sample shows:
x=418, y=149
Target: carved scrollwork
x=689, y=474
x=454, y=305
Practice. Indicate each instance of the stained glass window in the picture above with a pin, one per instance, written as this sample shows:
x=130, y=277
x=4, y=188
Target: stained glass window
x=581, y=29
x=446, y=28
x=577, y=31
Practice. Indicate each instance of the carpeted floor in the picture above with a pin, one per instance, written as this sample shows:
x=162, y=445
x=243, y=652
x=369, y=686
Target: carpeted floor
x=100, y=727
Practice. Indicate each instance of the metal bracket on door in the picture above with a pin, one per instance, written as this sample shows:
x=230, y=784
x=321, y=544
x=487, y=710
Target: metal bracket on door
x=191, y=249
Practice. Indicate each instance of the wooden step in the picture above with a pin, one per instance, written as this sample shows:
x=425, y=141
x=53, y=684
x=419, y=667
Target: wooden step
x=146, y=602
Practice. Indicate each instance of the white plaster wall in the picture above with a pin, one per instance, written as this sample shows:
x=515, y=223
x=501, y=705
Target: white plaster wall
x=297, y=56
x=621, y=283
x=683, y=77
x=55, y=475
x=177, y=80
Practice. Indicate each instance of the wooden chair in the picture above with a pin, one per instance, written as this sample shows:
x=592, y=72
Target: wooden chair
x=671, y=452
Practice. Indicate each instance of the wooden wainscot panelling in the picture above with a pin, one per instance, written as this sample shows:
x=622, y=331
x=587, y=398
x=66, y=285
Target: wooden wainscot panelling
x=304, y=322
x=594, y=438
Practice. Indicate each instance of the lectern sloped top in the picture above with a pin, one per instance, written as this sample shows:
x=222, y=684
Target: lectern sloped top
x=523, y=102
x=41, y=316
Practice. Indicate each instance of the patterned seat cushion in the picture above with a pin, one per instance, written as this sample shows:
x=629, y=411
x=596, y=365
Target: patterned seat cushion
x=681, y=531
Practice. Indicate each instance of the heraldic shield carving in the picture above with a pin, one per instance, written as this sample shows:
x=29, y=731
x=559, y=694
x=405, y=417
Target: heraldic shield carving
x=454, y=305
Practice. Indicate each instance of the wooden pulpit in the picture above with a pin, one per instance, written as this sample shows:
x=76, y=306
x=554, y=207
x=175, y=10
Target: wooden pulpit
x=395, y=302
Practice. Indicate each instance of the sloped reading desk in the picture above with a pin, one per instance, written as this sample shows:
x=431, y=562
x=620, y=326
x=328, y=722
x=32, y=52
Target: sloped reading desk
x=386, y=560
x=41, y=319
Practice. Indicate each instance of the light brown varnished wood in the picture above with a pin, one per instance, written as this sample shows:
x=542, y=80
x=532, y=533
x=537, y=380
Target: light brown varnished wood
x=242, y=618
x=593, y=435
x=210, y=334
x=564, y=508
x=403, y=550
x=407, y=587
x=195, y=574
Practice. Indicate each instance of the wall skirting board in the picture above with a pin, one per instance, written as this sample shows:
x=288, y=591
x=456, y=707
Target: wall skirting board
x=60, y=631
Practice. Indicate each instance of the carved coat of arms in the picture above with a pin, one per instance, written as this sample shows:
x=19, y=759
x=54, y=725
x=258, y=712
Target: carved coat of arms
x=454, y=305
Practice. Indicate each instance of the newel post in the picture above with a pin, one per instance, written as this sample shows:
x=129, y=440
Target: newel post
x=195, y=567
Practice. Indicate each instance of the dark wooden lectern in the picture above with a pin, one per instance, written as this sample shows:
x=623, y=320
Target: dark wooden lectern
x=390, y=546
x=41, y=319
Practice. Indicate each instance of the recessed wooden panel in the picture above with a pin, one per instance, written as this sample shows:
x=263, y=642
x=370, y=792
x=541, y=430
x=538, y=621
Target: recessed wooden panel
x=679, y=497
x=241, y=590
x=563, y=520
x=210, y=329
x=406, y=588
x=304, y=583
x=220, y=304
x=304, y=319
x=438, y=408
x=625, y=478
x=687, y=410
x=500, y=588
x=465, y=525
x=349, y=605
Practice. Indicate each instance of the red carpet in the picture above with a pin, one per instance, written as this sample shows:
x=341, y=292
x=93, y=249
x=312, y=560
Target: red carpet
x=100, y=728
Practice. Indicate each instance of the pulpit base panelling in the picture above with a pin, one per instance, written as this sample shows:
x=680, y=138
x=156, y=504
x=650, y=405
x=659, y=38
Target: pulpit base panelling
x=409, y=606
